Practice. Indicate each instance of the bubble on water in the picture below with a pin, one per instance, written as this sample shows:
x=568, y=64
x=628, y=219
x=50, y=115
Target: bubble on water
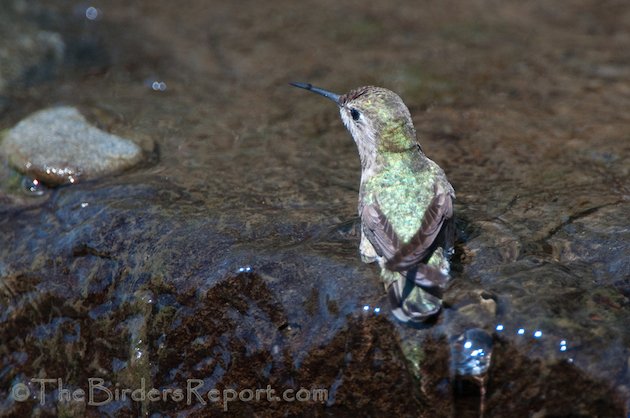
x=155, y=84
x=92, y=13
x=158, y=86
x=472, y=352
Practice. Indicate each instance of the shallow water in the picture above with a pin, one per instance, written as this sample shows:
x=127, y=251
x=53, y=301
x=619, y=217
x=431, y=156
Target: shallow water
x=230, y=255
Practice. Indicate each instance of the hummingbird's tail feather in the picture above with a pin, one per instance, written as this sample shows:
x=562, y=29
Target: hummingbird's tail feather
x=410, y=303
x=430, y=279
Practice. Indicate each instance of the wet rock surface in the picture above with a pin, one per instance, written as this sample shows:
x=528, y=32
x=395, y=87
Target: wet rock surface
x=233, y=259
x=58, y=146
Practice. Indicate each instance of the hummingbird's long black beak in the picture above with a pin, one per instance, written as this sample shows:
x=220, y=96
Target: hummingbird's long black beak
x=307, y=86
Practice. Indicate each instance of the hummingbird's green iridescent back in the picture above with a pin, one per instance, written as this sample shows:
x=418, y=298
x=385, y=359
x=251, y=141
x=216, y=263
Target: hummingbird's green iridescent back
x=404, y=188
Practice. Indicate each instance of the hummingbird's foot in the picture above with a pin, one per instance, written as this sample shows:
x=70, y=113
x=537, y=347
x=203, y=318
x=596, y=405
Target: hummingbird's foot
x=411, y=303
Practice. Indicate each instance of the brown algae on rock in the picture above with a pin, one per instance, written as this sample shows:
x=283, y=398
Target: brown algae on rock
x=59, y=146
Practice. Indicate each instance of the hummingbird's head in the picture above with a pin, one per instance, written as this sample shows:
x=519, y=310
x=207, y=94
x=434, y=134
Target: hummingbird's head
x=377, y=119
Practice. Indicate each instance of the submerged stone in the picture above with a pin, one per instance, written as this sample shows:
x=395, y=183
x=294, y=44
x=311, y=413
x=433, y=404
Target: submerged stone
x=58, y=146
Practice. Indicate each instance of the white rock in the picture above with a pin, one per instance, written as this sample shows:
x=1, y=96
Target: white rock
x=58, y=146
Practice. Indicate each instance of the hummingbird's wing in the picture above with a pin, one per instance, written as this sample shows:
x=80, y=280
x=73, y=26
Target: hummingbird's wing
x=440, y=209
x=379, y=231
x=403, y=256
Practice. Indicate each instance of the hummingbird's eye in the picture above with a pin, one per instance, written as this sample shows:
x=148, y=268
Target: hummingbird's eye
x=355, y=114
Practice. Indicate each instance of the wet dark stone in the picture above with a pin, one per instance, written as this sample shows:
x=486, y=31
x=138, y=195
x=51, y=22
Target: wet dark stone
x=297, y=316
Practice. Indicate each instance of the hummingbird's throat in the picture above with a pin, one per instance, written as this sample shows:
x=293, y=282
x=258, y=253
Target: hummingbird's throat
x=364, y=136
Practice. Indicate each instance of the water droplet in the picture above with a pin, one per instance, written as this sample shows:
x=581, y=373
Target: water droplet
x=538, y=334
x=33, y=187
x=366, y=308
x=377, y=310
x=472, y=352
x=84, y=204
x=521, y=331
x=499, y=327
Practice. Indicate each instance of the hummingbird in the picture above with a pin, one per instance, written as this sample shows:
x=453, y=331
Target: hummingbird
x=405, y=201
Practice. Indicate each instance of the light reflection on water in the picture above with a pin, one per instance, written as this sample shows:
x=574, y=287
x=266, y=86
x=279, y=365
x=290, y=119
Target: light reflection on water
x=472, y=352
x=537, y=334
x=33, y=186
